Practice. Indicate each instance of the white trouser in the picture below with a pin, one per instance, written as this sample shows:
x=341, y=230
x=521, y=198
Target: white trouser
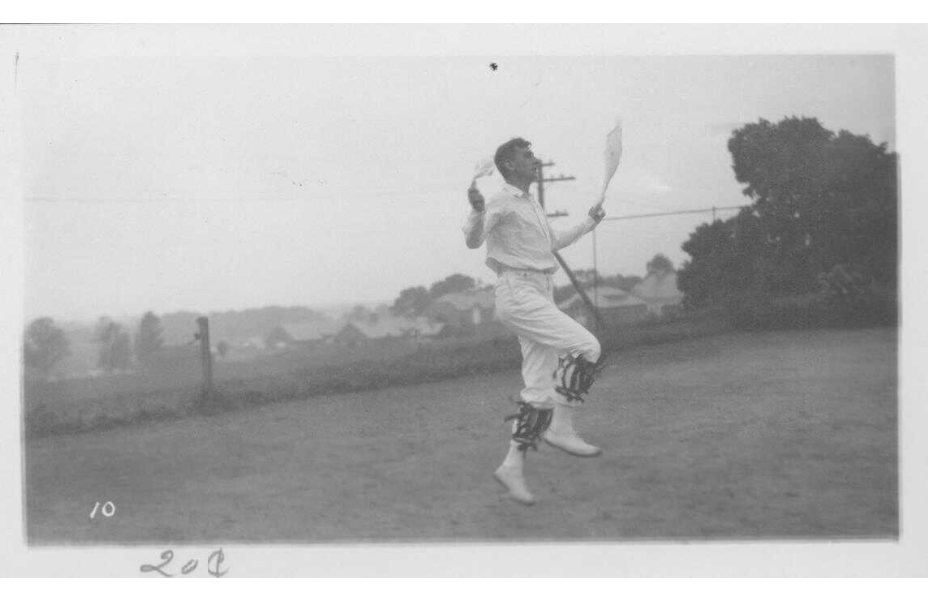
x=525, y=305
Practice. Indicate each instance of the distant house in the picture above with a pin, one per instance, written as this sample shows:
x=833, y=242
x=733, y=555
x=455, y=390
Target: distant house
x=615, y=306
x=254, y=343
x=313, y=333
x=465, y=312
x=383, y=327
x=660, y=292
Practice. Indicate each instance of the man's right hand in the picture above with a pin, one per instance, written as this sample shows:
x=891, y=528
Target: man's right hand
x=476, y=199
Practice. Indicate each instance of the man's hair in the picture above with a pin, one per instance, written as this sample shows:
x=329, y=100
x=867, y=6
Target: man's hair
x=507, y=152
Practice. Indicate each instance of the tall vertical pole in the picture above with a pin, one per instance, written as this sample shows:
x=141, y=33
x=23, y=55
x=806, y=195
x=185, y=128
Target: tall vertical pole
x=570, y=274
x=596, y=284
x=206, y=357
x=541, y=184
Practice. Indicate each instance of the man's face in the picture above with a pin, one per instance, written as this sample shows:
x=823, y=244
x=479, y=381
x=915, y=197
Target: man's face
x=524, y=164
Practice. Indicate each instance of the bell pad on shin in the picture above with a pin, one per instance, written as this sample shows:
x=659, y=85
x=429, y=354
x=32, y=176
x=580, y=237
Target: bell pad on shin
x=575, y=375
x=531, y=422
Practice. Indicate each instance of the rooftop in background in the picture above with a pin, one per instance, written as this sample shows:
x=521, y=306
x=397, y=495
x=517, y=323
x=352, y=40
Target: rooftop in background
x=467, y=300
x=604, y=297
x=391, y=326
x=313, y=330
x=659, y=286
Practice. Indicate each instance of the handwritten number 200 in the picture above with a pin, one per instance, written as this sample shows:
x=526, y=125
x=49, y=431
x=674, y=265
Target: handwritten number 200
x=213, y=565
x=108, y=510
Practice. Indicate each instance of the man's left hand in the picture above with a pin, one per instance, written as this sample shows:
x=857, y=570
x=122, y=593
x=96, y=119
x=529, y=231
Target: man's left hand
x=597, y=213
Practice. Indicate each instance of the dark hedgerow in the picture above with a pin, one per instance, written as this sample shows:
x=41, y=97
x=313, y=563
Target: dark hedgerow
x=49, y=411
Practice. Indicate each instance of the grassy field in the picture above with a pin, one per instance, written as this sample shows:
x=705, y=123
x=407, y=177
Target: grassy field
x=173, y=391
x=786, y=435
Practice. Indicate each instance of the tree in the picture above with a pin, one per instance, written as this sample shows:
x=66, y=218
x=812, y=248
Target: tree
x=822, y=199
x=726, y=256
x=412, y=302
x=359, y=313
x=44, y=345
x=115, y=346
x=819, y=200
x=659, y=264
x=451, y=285
x=148, y=340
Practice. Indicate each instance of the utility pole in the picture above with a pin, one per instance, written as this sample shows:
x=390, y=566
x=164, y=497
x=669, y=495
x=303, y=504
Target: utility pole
x=542, y=181
x=570, y=274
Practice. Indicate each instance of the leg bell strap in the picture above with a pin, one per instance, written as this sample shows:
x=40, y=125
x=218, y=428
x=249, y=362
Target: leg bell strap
x=531, y=422
x=575, y=376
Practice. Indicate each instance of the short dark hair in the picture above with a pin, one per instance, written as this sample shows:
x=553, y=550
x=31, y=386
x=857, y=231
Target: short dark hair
x=507, y=152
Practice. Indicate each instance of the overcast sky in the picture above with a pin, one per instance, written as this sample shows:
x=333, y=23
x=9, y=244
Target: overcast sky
x=239, y=180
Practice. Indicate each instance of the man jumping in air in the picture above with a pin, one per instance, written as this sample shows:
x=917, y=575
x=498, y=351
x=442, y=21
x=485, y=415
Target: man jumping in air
x=560, y=358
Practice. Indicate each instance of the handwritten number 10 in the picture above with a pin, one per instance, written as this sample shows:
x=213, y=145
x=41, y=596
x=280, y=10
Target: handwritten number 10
x=108, y=510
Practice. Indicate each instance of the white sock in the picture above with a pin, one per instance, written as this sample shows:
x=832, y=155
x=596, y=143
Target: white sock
x=515, y=457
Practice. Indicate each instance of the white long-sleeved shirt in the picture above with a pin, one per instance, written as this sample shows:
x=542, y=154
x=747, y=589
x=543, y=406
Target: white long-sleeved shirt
x=517, y=232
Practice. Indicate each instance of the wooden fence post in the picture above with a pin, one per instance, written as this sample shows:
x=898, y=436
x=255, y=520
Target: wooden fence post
x=206, y=357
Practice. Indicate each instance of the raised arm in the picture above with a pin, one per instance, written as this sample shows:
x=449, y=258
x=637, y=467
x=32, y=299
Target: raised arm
x=566, y=238
x=480, y=220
